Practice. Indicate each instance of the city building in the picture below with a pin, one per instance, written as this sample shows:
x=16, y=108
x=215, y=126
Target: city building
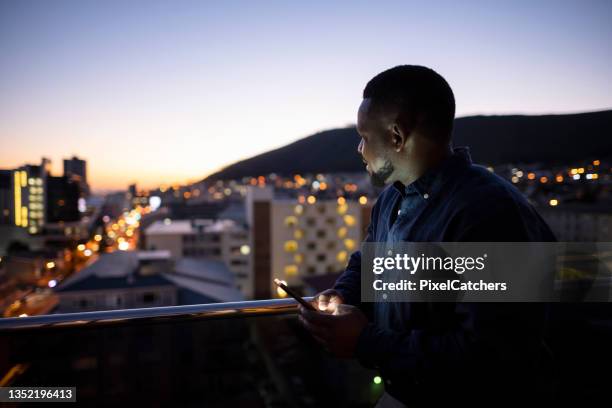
x=76, y=169
x=136, y=198
x=29, y=183
x=220, y=240
x=6, y=198
x=296, y=238
x=22, y=196
x=63, y=194
x=136, y=279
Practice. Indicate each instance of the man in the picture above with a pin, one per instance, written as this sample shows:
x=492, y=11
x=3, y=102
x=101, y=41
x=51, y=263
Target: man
x=474, y=353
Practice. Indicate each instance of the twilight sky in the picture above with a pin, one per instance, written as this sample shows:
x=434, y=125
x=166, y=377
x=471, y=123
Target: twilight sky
x=169, y=91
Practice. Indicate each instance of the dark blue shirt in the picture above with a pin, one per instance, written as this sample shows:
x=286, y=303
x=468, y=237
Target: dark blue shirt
x=453, y=202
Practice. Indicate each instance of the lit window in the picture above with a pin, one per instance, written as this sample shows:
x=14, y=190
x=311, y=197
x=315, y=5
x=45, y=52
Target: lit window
x=349, y=220
x=291, y=221
x=291, y=270
x=349, y=244
x=291, y=246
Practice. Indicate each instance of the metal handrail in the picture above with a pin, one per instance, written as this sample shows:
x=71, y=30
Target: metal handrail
x=152, y=314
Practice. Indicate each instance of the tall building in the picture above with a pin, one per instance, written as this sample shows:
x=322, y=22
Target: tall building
x=22, y=205
x=32, y=199
x=292, y=239
x=6, y=197
x=28, y=190
x=76, y=169
x=63, y=194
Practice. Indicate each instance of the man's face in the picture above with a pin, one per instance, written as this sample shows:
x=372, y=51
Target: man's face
x=375, y=145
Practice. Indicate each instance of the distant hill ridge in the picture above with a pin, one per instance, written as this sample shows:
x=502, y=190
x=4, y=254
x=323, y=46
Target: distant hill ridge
x=549, y=139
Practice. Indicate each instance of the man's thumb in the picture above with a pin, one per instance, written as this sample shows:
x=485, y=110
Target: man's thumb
x=323, y=300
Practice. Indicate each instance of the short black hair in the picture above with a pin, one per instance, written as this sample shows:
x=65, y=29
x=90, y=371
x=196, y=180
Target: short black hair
x=423, y=96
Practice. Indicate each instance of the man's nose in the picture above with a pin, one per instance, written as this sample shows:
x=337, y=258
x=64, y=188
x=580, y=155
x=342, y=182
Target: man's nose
x=360, y=147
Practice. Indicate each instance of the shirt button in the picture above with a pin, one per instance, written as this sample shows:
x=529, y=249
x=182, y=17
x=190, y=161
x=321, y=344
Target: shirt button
x=426, y=196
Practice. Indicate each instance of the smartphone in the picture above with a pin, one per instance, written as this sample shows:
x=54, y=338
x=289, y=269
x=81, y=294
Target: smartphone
x=294, y=295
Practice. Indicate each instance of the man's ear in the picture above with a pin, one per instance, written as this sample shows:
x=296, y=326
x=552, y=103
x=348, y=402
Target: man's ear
x=398, y=137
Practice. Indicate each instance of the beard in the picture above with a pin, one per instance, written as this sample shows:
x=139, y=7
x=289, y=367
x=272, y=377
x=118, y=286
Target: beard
x=379, y=178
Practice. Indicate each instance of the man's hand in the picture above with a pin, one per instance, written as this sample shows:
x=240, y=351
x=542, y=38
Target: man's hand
x=327, y=301
x=337, y=332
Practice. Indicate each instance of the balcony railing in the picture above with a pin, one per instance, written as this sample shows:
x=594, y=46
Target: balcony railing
x=247, y=354
x=152, y=314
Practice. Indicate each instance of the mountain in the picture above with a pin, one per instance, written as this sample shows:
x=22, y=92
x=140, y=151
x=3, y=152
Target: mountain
x=548, y=139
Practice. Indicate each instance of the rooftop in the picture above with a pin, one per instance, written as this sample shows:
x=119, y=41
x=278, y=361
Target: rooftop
x=186, y=227
x=170, y=227
x=198, y=280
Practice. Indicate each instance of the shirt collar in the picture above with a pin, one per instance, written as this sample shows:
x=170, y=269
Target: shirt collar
x=432, y=180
